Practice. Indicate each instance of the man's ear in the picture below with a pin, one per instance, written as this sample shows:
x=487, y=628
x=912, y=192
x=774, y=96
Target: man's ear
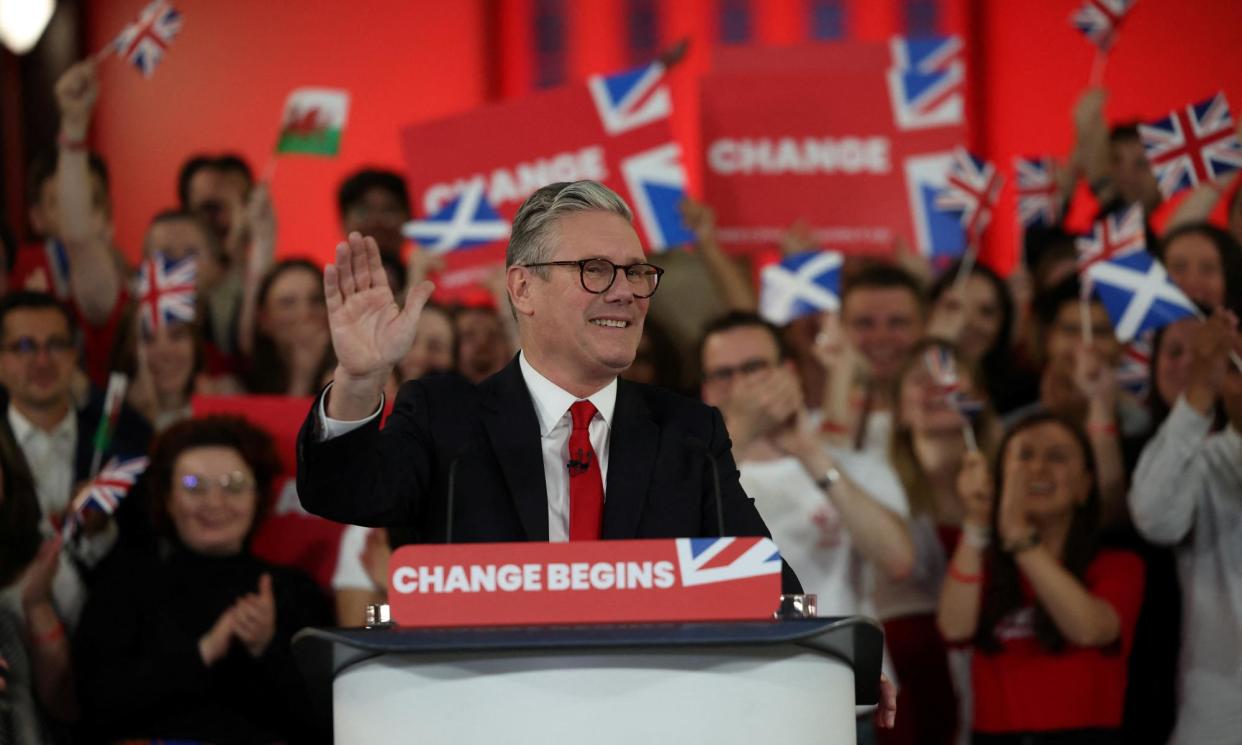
x=519, y=282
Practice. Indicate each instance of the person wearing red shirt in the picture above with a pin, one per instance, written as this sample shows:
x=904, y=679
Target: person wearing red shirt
x=1051, y=617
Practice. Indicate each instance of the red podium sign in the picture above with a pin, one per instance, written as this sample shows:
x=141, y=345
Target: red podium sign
x=499, y=584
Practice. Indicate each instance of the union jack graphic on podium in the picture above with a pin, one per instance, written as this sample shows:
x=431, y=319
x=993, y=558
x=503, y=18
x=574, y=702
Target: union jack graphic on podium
x=926, y=82
x=1115, y=235
x=656, y=181
x=1192, y=145
x=631, y=99
x=1138, y=294
x=144, y=42
x=1039, y=201
x=971, y=189
x=800, y=285
x=709, y=560
x=105, y=491
x=467, y=221
x=1099, y=20
x=166, y=291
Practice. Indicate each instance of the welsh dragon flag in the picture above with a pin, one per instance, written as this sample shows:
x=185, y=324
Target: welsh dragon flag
x=313, y=121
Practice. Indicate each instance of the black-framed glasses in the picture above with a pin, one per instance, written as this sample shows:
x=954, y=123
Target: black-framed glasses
x=27, y=347
x=597, y=275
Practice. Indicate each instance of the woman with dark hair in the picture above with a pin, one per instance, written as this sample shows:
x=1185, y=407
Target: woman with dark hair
x=193, y=643
x=979, y=318
x=292, y=349
x=37, y=690
x=1050, y=615
x=1206, y=263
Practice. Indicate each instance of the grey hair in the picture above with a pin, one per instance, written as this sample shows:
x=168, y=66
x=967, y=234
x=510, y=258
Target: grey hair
x=528, y=241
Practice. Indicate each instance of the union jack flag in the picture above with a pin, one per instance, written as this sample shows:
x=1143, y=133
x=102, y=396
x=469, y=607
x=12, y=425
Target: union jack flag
x=971, y=189
x=942, y=366
x=1039, y=201
x=1099, y=20
x=938, y=235
x=926, y=82
x=657, y=184
x=166, y=291
x=631, y=99
x=800, y=285
x=1192, y=145
x=709, y=560
x=1138, y=294
x=1115, y=235
x=469, y=220
x=105, y=491
x=144, y=42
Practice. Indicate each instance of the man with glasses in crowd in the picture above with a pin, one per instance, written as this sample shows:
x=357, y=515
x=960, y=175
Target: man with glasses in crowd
x=554, y=446
x=38, y=365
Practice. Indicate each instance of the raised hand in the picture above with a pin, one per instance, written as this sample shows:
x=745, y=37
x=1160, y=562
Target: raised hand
x=76, y=92
x=36, y=582
x=699, y=217
x=370, y=333
x=1013, y=523
x=214, y=645
x=762, y=403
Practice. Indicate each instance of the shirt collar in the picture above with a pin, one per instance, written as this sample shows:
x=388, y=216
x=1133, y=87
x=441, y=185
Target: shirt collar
x=552, y=402
x=24, y=429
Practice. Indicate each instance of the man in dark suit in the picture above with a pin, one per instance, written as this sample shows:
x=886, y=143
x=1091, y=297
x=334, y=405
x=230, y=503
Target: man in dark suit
x=553, y=447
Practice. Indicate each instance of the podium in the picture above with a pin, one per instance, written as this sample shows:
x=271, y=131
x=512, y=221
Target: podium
x=778, y=681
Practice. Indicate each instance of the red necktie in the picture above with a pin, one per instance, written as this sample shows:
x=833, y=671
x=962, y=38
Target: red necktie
x=586, y=485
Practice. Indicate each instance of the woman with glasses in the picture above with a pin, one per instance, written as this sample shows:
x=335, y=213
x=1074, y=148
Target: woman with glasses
x=194, y=643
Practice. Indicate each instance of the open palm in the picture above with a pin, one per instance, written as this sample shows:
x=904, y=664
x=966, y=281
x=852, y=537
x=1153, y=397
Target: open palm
x=369, y=332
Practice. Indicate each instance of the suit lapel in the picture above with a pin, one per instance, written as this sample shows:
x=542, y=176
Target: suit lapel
x=513, y=429
x=632, y=451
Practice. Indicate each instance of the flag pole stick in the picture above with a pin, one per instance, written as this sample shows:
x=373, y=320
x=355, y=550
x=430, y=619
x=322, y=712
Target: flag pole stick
x=966, y=267
x=968, y=434
x=1097, y=69
x=114, y=397
x=102, y=54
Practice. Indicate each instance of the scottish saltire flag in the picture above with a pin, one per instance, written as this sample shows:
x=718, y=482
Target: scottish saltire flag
x=1099, y=20
x=631, y=99
x=105, y=491
x=1192, y=145
x=937, y=235
x=313, y=121
x=1116, y=235
x=144, y=42
x=1039, y=201
x=656, y=181
x=166, y=291
x=1134, y=368
x=1138, y=294
x=971, y=189
x=800, y=285
x=467, y=221
x=707, y=560
x=926, y=82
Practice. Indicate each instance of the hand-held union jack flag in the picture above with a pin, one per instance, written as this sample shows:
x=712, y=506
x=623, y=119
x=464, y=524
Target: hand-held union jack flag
x=105, y=491
x=971, y=190
x=1138, y=294
x=800, y=285
x=1192, y=145
x=1115, y=235
x=1039, y=199
x=942, y=366
x=1099, y=20
x=166, y=291
x=144, y=42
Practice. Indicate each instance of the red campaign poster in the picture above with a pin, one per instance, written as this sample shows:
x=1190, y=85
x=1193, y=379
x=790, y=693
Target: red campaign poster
x=852, y=138
x=469, y=173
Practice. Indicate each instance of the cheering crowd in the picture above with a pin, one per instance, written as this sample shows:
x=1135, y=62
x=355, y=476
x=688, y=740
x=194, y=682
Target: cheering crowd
x=1060, y=558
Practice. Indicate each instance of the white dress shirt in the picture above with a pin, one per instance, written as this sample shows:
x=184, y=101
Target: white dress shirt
x=552, y=411
x=50, y=456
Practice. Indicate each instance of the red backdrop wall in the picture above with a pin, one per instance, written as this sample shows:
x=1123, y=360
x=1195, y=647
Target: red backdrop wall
x=224, y=81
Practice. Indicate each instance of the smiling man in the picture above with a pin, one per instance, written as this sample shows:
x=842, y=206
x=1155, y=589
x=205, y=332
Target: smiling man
x=554, y=446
